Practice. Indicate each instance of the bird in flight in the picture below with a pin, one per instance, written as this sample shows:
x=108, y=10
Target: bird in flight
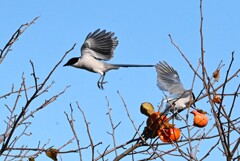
x=168, y=80
x=98, y=47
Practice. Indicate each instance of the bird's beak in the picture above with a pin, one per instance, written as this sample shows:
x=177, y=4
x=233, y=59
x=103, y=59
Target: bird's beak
x=65, y=65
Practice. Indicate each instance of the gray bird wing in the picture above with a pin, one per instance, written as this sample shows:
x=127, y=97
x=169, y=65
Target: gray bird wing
x=100, y=44
x=168, y=78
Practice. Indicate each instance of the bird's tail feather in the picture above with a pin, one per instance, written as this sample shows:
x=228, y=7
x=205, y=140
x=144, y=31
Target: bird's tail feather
x=132, y=65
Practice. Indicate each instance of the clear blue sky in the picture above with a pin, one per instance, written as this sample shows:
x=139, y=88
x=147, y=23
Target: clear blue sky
x=142, y=28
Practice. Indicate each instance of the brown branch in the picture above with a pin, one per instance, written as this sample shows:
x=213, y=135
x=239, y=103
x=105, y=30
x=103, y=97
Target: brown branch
x=104, y=153
x=220, y=86
x=17, y=91
x=202, y=48
x=22, y=113
x=88, y=132
x=113, y=127
x=183, y=55
x=129, y=116
x=128, y=151
x=226, y=78
x=235, y=148
x=225, y=139
x=69, y=142
x=71, y=123
x=54, y=68
x=211, y=149
x=12, y=117
x=14, y=38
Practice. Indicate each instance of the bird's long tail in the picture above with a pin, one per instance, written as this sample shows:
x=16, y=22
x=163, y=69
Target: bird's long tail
x=132, y=65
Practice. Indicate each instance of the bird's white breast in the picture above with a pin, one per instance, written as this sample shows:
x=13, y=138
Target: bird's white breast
x=91, y=64
x=179, y=103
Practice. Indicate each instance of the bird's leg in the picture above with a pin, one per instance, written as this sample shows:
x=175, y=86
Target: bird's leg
x=101, y=82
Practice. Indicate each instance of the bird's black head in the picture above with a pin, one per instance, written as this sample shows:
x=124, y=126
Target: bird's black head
x=71, y=61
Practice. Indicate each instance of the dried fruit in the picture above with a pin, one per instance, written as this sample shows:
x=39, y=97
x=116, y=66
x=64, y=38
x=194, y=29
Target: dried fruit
x=147, y=108
x=216, y=75
x=31, y=159
x=216, y=99
x=52, y=153
x=200, y=119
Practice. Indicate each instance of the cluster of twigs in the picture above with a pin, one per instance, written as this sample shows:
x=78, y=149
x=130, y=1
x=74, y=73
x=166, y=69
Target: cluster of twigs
x=28, y=94
x=222, y=132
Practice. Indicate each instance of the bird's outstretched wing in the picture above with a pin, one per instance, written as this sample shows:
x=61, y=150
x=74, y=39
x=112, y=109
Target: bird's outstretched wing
x=168, y=78
x=100, y=44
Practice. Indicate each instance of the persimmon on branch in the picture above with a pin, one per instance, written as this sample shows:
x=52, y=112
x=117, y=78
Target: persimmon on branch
x=223, y=133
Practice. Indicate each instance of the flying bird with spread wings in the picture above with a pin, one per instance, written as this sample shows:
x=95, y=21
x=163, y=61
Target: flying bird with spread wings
x=98, y=47
x=169, y=80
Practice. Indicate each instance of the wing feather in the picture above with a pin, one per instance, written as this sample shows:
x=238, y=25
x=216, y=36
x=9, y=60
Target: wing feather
x=168, y=78
x=100, y=44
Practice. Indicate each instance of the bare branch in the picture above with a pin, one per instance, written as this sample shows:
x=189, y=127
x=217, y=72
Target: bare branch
x=113, y=127
x=14, y=38
x=71, y=123
x=24, y=109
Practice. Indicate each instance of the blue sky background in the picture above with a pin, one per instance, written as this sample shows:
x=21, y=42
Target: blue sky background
x=142, y=28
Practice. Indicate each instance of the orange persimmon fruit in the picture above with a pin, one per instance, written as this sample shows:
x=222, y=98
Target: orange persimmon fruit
x=169, y=134
x=156, y=121
x=200, y=119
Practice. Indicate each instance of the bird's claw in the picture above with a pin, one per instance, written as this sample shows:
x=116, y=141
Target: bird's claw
x=100, y=84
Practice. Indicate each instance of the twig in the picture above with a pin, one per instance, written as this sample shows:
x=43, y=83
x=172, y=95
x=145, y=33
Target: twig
x=14, y=38
x=208, y=153
x=71, y=123
x=113, y=127
x=128, y=151
x=69, y=142
x=88, y=131
x=183, y=55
